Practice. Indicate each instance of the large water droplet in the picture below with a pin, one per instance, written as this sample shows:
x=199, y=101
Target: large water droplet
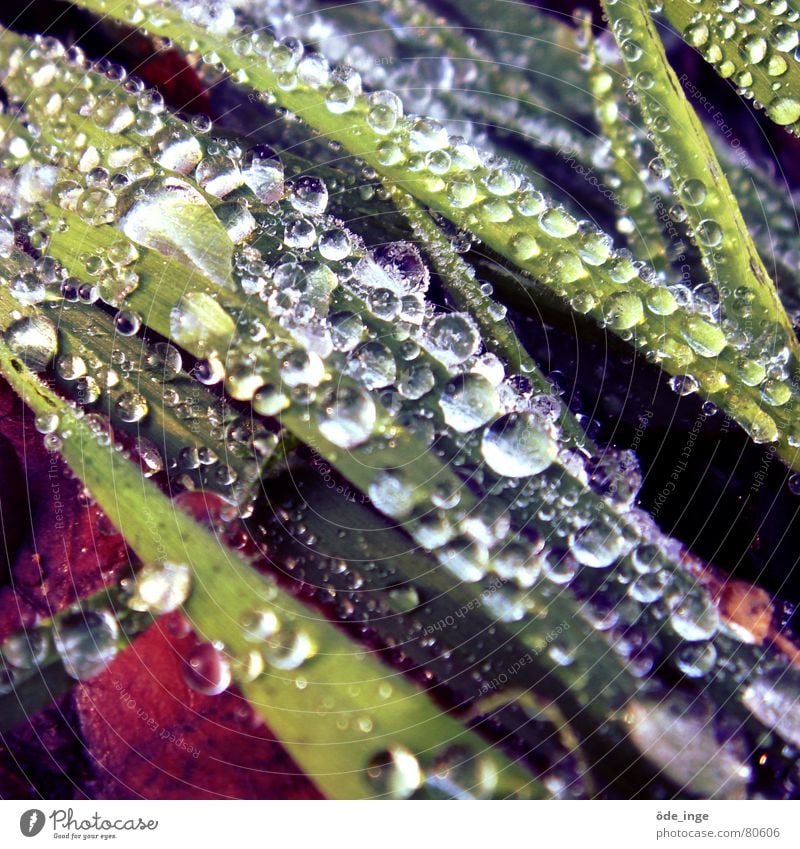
x=86, y=642
x=515, y=446
x=207, y=670
x=34, y=340
x=346, y=416
x=173, y=218
x=161, y=588
x=774, y=698
x=452, y=338
x=396, y=773
x=469, y=401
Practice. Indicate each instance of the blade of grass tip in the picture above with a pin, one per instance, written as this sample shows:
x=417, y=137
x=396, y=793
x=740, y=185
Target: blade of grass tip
x=232, y=605
x=747, y=294
x=752, y=44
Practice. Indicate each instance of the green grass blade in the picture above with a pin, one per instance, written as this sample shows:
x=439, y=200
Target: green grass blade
x=341, y=680
x=752, y=44
x=578, y=263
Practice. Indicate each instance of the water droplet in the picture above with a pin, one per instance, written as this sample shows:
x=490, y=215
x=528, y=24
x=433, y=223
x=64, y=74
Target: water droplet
x=218, y=175
x=427, y=134
x=773, y=699
x=174, y=219
x=396, y=773
x=694, y=192
x=391, y=495
x=335, y=245
x=289, y=649
x=309, y=195
x=161, y=588
x=86, y=642
x=34, y=340
x=269, y=400
x=207, y=670
x=623, y=310
x=26, y=650
x=514, y=446
x=600, y=543
x=346, y=416
x=709, y=233
x=696, y=659
x=384, y=110
x=131, y=407
x=373, y=364
x=694, y=616
x=558, y=223
x=784, y=109
x=263, y=173
x=468, y=401
x=452, y=338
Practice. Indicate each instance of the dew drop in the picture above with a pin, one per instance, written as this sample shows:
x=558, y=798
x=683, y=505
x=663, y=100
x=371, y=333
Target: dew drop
x=207, y=670
x=346, y=416
x=468, y=401
x=161, y=588
x=86, y=642
x=34, y=340
x=515, y=447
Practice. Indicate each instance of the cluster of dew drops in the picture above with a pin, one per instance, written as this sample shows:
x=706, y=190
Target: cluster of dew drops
x=742, y=38
x=398, y=360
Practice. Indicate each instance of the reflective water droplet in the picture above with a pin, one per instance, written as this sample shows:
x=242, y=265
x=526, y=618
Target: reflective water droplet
x=373, y=364
x=623, y=310
x=694, y=616
x=28, y=288
x=207, y=670
x=131, y=407
x=309, y=195
x=263, y=173
x=34, y=340
x=334, y=245
x=784, y=109
x=346, y=416
x=693, y=192
x=173, y=218
x=427, y=134
x=86, y=642
x=161, y=588
x=452, y=338
x=218, y=175
x=773, y=699
x=390, y=494
x=600, y=543
x=289, y=649
x=396, y=773
x=696, y=659
x=515, y=446
x=26, y=650
x=384, y=109
x=468, y=401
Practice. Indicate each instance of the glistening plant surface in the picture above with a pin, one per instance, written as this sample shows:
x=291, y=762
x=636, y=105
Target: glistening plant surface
x=291, y=353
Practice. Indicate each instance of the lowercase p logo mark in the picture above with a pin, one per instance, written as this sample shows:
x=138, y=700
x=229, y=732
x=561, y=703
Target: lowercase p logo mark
x=31, y=822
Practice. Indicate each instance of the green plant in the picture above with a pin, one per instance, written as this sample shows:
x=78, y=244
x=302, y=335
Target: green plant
x=288, y=313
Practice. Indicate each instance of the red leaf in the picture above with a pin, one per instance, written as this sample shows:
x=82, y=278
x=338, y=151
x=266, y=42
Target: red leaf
x=151, y=736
